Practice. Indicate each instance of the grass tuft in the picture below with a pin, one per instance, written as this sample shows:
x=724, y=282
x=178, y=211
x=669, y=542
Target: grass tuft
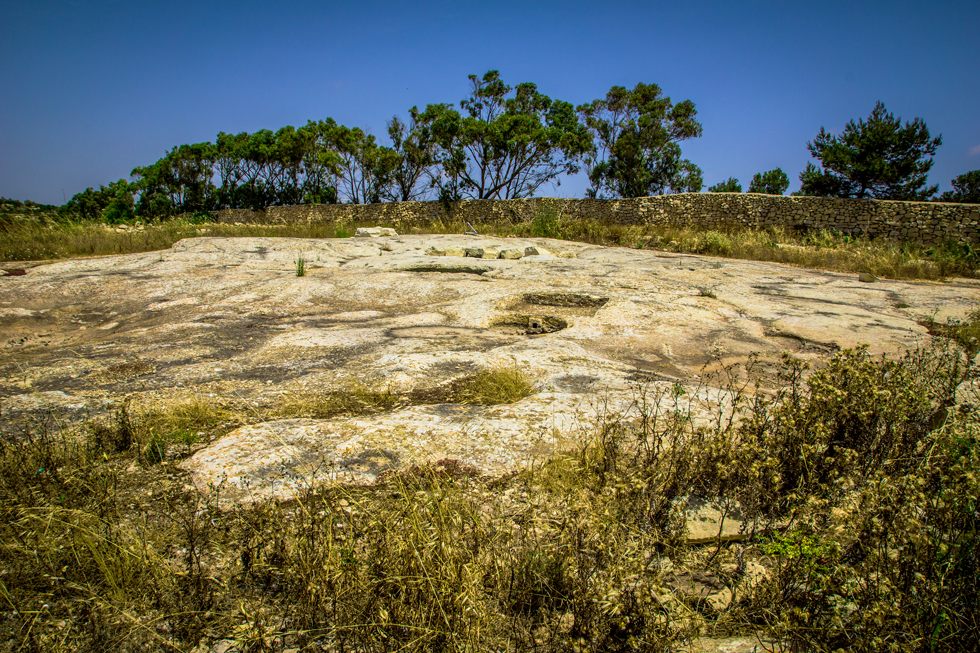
x=498, y=385
x=350, y=401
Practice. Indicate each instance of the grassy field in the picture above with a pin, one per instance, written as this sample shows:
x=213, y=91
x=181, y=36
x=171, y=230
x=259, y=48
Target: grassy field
x=42, y=236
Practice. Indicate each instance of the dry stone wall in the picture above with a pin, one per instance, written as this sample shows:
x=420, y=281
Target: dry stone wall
x=927, y=223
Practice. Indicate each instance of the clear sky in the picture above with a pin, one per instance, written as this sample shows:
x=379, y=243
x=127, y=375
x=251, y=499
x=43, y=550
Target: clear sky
x=93, y=88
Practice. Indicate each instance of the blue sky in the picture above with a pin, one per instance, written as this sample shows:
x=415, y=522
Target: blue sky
x=92, y=89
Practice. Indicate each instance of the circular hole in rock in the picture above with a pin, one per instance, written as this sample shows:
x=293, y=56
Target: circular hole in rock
x=528, y=325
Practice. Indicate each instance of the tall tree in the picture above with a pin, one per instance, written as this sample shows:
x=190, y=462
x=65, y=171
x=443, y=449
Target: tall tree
x=111, y=204
x=730, y=185
x=364, y=168
x=637, y=134
x=180, y=182
x=966, y=189
x=771, y=182
x=320, y=164
x=413, y=177
x=879, y=158
x=505, y=145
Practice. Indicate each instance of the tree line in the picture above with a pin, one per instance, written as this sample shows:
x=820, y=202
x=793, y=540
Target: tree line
x=504, y=142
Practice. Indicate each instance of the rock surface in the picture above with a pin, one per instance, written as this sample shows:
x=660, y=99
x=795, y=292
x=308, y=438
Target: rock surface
x=228, y=318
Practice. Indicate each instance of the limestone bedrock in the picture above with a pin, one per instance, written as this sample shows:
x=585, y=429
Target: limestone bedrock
x=228, y=319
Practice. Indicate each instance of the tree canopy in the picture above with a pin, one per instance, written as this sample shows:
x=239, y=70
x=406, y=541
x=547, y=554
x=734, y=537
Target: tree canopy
x=503, y=142
x=730, y=185
x=877, y=158
x=771, y=182
x=966, y=189
x=636, y=134
x=507, y=143
x=112, y=203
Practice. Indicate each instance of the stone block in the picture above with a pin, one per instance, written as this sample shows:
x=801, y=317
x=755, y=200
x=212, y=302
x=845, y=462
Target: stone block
x=511, y=253
x=455, y=251
x=534, y=250
x=436, y=251
x=374, y=232
x=474, y=252
x=491, y=252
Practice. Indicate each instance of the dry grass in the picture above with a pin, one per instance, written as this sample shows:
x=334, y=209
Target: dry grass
x=858, y=506
x=491, y=387
x=822, y=250
x=499, y=385
x=34, y=240
x=350, y=401
x=44, y=237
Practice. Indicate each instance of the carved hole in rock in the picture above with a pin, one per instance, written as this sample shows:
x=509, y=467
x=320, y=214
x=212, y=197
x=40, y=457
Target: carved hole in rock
x=565, y=299
x=567, y=304
x=438, y=331
x=527, y=325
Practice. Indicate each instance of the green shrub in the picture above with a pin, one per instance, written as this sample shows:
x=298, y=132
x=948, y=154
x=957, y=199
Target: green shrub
x=548, y=223
x=714, y=243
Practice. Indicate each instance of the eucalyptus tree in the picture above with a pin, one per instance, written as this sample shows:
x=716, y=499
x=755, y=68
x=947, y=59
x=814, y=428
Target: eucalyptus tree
x=363, y=168
x=179, y=182
x=414, y=176
x=319, y=164
x=506, y=143
x=112, y=203
x=636, y=134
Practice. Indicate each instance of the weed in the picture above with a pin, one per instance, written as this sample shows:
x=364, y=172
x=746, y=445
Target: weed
x=713, y=242
x=155, y=451
x=195, y=414
x=965, y=333
x=499, y=385
x=707, y=292
x=300, y=266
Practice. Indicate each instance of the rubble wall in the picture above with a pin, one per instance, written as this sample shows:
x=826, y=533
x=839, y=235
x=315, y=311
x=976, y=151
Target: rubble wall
x=927, y=223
